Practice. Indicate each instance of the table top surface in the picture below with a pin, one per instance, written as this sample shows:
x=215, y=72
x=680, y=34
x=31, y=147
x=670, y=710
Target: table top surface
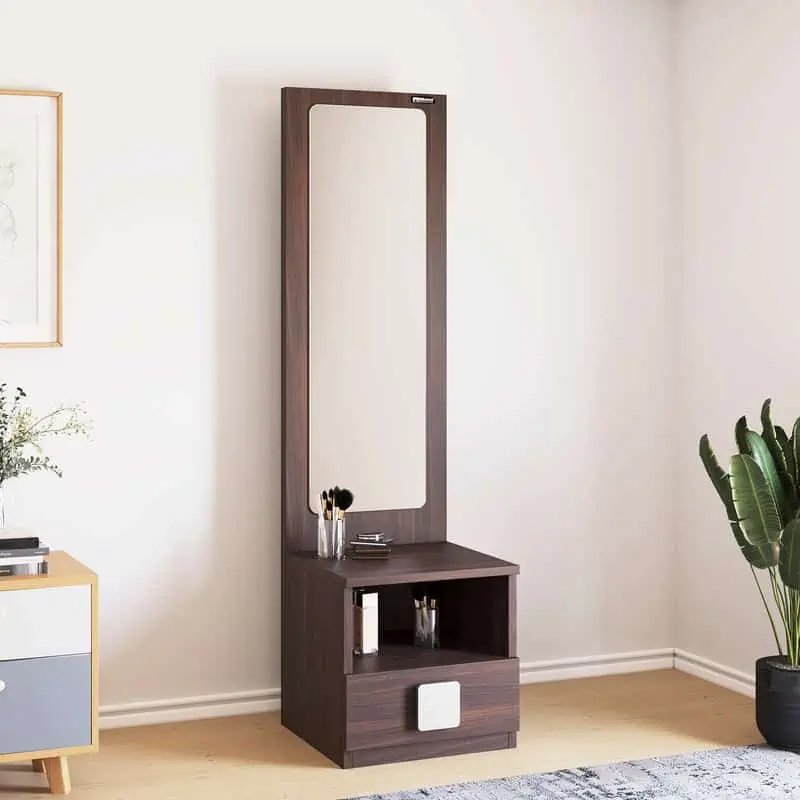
x=430, y=561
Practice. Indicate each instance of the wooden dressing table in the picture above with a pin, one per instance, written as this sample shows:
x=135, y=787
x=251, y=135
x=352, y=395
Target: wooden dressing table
x=361, y=710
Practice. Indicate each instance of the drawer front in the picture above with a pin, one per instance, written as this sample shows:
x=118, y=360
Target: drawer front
x=35, y=623
x=45, y=703
x=382, y=709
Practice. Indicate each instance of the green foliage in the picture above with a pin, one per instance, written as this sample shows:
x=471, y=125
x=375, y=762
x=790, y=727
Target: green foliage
x=754, y=502
x=760, y=494
x=22, y=433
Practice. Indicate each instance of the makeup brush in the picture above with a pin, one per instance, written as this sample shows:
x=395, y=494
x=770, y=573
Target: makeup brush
x=345, y=499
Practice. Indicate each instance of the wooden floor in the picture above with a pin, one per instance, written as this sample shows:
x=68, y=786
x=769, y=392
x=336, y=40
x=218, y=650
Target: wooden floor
x=564, y=724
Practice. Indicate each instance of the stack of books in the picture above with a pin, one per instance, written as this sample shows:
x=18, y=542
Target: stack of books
x=24, y=555
x=370, y=546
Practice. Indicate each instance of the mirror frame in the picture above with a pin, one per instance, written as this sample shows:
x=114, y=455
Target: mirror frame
x=429, y=522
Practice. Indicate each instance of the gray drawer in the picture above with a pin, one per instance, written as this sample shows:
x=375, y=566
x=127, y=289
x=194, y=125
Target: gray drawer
x=46, y=703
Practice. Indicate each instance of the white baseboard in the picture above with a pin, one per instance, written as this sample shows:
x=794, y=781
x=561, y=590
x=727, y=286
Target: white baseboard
x=715, y=673
x=563, y=669
x=184, y=709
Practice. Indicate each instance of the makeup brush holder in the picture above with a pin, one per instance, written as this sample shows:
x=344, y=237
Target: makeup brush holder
x=426, y=626
x=338, y=538
x=330, y=538
x=325, y=530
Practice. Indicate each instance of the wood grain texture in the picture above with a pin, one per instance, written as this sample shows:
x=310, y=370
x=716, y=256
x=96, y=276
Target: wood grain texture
x=13, y=758
x=57, y=770
x=371, y=756
x=474, y=614
x=381, y=708
x=313, y=698
x=393, y=657
x=425, y=524
x=434, y=561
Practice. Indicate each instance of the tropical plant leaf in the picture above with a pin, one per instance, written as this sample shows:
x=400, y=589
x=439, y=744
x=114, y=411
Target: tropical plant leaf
x=795, y=443
x=741, y=436
x=757, y=448
x=788, y=452
x=760, y=556
x=771, y=438
x=718, y=476
x=756, y=510
x=790, y=555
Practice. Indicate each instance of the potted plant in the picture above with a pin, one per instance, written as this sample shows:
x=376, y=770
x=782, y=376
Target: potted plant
x=761, y=495
x=22, y=434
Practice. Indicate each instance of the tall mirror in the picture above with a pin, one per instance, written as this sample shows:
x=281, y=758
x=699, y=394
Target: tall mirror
x=367, y=304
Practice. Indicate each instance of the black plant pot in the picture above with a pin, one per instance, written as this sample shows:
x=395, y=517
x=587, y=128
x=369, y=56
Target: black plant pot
x=778, y=702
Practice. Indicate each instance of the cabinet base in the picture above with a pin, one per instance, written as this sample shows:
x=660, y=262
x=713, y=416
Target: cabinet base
x=414, y=752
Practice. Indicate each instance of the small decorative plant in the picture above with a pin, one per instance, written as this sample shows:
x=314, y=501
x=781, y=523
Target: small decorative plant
x=23, y=433
x=761, y=495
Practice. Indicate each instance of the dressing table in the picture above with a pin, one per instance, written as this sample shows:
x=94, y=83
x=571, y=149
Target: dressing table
x=364, y=406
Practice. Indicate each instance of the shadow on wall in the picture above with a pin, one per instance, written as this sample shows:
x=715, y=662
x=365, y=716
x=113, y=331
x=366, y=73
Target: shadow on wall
x=219, y=626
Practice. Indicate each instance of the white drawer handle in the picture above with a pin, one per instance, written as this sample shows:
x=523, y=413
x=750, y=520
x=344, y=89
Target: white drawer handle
x=2, y=685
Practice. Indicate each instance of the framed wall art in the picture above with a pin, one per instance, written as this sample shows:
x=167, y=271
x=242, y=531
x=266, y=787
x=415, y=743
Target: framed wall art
x=30, y=218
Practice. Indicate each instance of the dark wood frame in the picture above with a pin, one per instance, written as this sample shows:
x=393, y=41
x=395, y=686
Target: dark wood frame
x=428, y=523
x=357, y=711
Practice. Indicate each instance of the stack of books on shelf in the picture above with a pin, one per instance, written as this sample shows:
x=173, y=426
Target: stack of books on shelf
x=23, y=555
x=370, y=546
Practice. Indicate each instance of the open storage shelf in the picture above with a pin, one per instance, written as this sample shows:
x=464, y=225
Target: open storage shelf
x=474, y=622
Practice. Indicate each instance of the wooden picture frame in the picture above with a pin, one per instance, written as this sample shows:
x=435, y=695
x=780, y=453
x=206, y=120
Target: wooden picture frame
x=30, y=218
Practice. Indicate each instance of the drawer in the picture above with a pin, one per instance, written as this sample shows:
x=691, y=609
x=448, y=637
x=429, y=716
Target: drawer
x=382, y=708
x=35, y=623
x=45, y=703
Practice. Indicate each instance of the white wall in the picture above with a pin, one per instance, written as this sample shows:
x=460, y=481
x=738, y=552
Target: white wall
x=741, y=192
x=559, y=335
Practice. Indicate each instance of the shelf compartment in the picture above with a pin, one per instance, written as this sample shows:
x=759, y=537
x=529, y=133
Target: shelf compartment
x=474, y=619
x=414, y=563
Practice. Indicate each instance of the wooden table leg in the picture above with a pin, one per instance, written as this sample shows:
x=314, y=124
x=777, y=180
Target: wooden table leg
x=57, y=770
x=38, y=765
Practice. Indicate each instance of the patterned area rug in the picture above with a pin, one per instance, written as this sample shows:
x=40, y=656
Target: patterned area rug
x=738, y=773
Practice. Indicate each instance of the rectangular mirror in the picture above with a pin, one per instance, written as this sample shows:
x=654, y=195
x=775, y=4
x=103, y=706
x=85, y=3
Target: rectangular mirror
x=367, y=304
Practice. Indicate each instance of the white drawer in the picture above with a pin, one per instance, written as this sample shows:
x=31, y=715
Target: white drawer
x=35, y=623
